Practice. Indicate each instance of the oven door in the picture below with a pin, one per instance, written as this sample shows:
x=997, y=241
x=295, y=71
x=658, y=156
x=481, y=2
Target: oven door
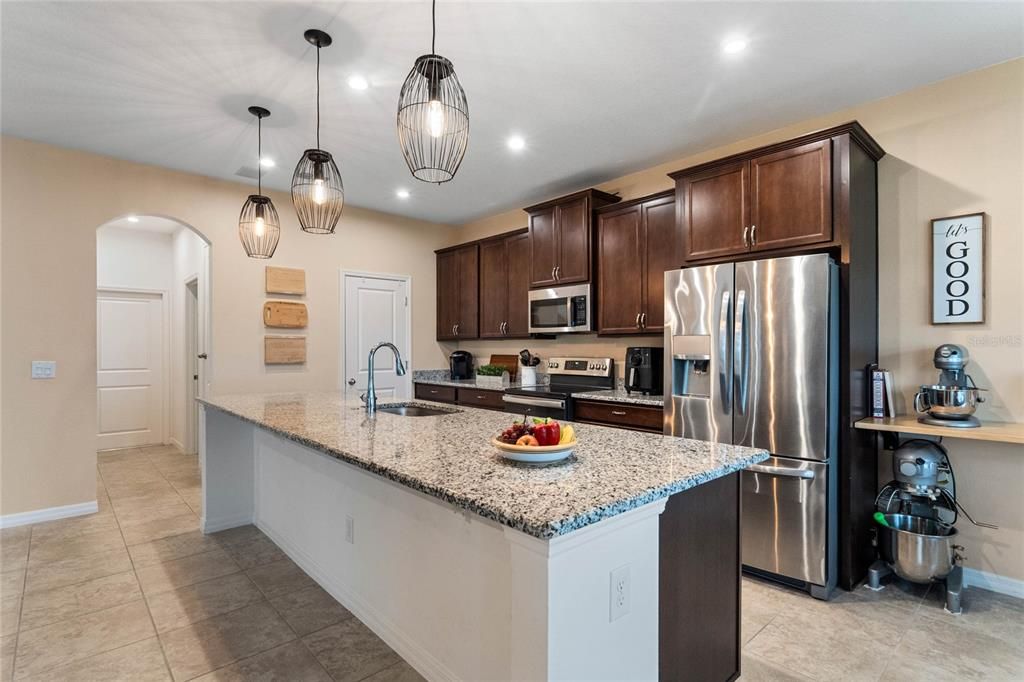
x=535, y=406
x=560, y=309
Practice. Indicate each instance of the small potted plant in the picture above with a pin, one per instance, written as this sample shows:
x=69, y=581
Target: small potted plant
x=491, y=376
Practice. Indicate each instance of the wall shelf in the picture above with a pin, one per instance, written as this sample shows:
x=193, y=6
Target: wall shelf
x=997, y=432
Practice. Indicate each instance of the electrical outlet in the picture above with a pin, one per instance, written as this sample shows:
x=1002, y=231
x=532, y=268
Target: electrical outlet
x=44, y=369
x=618, y=598
x=350, y=530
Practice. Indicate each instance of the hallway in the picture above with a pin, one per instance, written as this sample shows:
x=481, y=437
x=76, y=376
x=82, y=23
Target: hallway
x=137, y=592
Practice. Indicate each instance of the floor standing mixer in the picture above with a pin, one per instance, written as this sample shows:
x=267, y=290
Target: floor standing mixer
x=916, y=514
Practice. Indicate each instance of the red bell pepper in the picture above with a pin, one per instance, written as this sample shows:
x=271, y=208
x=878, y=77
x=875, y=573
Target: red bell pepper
x=547, y=431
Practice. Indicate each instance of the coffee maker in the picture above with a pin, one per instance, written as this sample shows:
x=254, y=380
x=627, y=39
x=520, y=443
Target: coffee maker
x=644, y=370
x=461, y=365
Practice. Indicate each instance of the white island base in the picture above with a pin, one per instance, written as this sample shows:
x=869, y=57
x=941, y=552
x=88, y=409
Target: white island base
x=457, y=595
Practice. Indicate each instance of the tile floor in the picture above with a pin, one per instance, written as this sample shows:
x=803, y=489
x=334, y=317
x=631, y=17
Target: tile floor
x=136, y=592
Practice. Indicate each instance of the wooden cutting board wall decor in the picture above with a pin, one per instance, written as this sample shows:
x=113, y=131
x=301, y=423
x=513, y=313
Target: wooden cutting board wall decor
x=284, y=350
x=285, y=314
x=286, y=280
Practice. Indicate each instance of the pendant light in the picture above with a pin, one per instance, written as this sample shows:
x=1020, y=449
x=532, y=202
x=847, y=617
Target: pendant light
x=259, y=228
x=433, y=117
x=317, y=191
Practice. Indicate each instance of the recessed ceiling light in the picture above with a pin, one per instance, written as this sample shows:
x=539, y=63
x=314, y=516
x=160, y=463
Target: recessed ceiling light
x=516, y=143
x=402, y=193
x=734, y=45
x=357, y=82
x=267, y=162
x=133, y=219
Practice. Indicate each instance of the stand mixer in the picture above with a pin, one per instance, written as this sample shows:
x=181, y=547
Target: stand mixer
x=953, y=400
x=916, y=516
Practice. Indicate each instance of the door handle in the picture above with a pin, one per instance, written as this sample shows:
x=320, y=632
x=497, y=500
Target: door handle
x=785, y=472
x=753, y=235
x=724, y=381
x=739, y=351
x=201, y=356
x=351, y=382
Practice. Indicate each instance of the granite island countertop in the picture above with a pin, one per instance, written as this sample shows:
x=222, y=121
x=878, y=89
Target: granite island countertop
x=450, y=457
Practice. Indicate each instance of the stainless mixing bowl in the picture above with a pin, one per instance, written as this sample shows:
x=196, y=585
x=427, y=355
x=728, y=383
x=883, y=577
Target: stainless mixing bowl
x=948, y=402
x=918, y=549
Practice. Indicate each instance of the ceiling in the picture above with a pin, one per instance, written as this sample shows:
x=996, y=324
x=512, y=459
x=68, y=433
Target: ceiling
x=596, y=89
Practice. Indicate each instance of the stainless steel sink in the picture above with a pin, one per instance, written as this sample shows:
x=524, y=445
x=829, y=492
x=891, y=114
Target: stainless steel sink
x=415, y=410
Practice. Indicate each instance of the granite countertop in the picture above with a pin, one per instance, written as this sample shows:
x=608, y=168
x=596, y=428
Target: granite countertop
x=450, y=457
x=619, y=395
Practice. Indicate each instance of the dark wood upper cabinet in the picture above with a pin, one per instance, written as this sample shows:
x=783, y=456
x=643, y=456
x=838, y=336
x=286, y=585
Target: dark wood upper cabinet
x=714, y=211
x=636, y=244
x=791, y=197
x=543, y=247
x=767, y=200
x=517, y=322
x=457, y=293
x=560, y=251
x=504, y=286
x=663, y=251
x=620, y=266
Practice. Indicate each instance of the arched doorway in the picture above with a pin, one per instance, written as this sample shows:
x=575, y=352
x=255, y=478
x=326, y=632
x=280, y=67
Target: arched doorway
x=153, y=331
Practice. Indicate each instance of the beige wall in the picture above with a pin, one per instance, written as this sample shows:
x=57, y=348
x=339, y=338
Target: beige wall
x=52, y=202
x=952, y=147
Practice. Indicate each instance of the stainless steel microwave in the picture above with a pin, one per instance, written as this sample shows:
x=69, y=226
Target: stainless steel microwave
x=560, y=310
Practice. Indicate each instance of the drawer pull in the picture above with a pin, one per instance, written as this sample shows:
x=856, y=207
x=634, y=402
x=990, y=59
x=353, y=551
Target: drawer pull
x=619, y=413
x=433, y=390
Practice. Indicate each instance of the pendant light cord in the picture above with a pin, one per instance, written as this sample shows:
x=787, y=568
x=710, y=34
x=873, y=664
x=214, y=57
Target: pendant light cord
x=433, y=26
x=318, y=96
x=259, y=155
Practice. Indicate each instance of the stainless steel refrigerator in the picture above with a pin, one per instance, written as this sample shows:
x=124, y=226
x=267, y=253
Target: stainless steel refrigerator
x=754, y=357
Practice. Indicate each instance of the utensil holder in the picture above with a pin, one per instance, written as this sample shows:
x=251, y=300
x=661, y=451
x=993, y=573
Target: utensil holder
x=528, y=376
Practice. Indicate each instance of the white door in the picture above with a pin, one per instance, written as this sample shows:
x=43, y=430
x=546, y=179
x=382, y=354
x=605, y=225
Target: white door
x=376, y=309
x=129, y=369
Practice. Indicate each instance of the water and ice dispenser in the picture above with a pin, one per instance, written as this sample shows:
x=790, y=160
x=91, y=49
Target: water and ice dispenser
x=691, y=366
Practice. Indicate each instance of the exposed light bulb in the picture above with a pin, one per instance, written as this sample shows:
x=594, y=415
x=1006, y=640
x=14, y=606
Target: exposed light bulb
x=319, y=192
x=260, y=228
x=435, y=118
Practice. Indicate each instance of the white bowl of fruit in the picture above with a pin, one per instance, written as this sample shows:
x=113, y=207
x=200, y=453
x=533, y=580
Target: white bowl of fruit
x=536, y=441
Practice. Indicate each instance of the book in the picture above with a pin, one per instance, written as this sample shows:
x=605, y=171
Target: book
x=878, y=393
x=890, y=403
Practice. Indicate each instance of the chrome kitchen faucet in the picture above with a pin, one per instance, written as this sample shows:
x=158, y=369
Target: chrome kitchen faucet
x=370, y=397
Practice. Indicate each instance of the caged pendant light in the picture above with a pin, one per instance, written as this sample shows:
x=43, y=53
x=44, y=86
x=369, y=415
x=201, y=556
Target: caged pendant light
x=259, y=228
x=317, y=191
x=433, y=117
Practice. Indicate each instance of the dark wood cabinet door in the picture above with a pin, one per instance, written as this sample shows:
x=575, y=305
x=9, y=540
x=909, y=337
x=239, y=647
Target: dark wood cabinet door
x=573, y=220
x=493, y=288
x=543, y=247
x=447, y=294
x=791, y=197
x=466, y=326
x=517, y=318
x=620, y=279
x=714, y=211
x=662, y=251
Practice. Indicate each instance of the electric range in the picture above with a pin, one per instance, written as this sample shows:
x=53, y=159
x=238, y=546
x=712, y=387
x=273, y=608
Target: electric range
x=567, y=376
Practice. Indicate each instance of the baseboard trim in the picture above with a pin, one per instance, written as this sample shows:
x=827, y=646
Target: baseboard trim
x=425, y=663
x=214, y=525
x=174, y=441
x=48, y=514
x=993, y=582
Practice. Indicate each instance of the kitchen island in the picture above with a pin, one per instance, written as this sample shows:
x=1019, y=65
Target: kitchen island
x=471, y=567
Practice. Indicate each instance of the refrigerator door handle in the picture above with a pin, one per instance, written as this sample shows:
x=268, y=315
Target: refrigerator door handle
x=723, y=351
x=740, y=350
x=780, y=471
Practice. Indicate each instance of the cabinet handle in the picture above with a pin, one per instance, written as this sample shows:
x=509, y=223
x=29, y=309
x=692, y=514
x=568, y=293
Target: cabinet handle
x=746, y=240
x=643, y=320
x=453, y=330
x=552, y=274
x=558, y=272
x=638, y=320
x=433, y=391
x=456, y=330
x=619, y=413
x=753, y=235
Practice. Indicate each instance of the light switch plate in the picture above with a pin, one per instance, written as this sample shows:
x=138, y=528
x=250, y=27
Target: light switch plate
x=44, y=369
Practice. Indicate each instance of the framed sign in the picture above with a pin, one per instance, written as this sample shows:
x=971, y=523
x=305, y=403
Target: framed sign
x=958, y=269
